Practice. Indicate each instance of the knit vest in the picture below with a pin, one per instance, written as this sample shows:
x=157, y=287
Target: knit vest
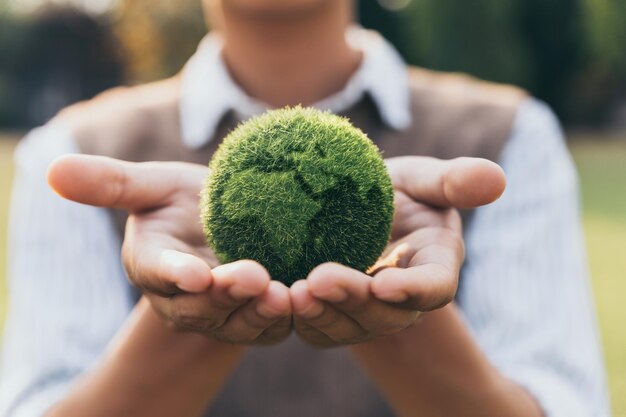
x=452, y=115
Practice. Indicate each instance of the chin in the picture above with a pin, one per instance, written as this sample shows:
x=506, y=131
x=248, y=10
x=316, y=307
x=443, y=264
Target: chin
x=274, y=8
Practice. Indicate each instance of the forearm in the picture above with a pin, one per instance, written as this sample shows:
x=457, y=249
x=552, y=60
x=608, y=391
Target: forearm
x=435, y=369
x=152, y=370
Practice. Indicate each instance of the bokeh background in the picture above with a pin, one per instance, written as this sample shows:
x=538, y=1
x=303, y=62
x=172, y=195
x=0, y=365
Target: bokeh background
x=570, y=53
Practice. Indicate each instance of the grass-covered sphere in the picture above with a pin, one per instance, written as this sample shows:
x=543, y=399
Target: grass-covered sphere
x=295, y=188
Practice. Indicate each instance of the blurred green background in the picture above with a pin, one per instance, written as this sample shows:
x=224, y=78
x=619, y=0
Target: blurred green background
x=570, y=53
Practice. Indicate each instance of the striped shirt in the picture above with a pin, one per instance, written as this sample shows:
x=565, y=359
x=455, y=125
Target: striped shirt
x=525, y=292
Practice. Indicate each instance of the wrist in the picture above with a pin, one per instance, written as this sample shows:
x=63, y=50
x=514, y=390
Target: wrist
x=152, y=369
x=403, y=339
x=435, y=367
x=438, y=348
x=145, y=331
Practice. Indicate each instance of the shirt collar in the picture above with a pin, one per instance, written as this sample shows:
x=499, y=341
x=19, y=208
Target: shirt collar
x=209, y=92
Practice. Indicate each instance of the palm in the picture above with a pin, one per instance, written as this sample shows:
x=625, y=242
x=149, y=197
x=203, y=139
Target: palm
x=165, y=254
x=176, y=227
x=419, y=224
x=418, y=270
x=359, y=315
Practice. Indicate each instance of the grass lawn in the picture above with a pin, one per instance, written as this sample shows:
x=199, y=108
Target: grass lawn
x=602, y=166
x=6, y=150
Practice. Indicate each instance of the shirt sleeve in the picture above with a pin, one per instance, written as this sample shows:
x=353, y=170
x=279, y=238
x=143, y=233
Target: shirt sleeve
x=68, y=292
x=525, y=291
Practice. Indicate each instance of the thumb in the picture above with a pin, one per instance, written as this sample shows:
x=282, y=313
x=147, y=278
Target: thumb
x=106, y=182
x=460, y=183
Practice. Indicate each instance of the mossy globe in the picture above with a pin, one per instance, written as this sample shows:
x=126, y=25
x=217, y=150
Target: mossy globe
x=294, y=188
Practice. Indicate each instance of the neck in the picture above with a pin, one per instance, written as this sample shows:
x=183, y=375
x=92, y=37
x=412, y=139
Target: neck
x=299, y=59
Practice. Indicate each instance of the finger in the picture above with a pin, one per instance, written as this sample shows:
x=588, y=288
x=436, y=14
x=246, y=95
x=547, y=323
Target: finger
x=276, y=333
x=233, y=286
x=312, y=335
x=153, y=267
x=321, y=316
x=460, y=182
x=160, y=264
x=303, y=303
x=238, y=281
x=188, y=312
x=443, y=244
x=348, y=291
x=107, y=182
x=246, y=324
x=339, y=284
x=410, y=215
x=422, y=288
x=425, y=275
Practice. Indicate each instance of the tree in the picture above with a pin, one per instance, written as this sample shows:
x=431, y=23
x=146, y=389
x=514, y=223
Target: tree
x=158, y=36
x=51, y=59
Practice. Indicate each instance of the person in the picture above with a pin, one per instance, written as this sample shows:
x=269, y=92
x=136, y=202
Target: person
x=520, y=338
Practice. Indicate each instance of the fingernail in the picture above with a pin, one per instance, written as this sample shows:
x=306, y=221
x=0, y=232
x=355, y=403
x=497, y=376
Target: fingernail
x=179, y=267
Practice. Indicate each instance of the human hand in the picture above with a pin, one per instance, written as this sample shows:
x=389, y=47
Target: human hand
x=419, y=269
x=165, y=254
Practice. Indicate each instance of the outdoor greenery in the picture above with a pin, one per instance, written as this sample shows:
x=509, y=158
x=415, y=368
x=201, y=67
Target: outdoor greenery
x=6, y=150
x=603, y=173
x=567, y=52
x=157, y=37
x=51, y=60
x=602, y=168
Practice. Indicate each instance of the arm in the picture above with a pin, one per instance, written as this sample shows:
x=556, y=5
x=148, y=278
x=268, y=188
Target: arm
x=537, y=325
x=165, y=252
x=417, y=272
x=429, y=366
x=531, y=348
x=437, y=369
x=152, y=370
x=56, y=327
x=166, y=224
x=69, y=298
x=171, y=359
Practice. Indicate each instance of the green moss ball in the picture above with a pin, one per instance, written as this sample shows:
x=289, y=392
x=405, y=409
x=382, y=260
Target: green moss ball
x=295, y=188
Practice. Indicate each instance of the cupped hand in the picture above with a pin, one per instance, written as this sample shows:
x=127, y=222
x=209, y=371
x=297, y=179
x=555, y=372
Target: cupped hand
x=418, y=271
x=165, y=254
